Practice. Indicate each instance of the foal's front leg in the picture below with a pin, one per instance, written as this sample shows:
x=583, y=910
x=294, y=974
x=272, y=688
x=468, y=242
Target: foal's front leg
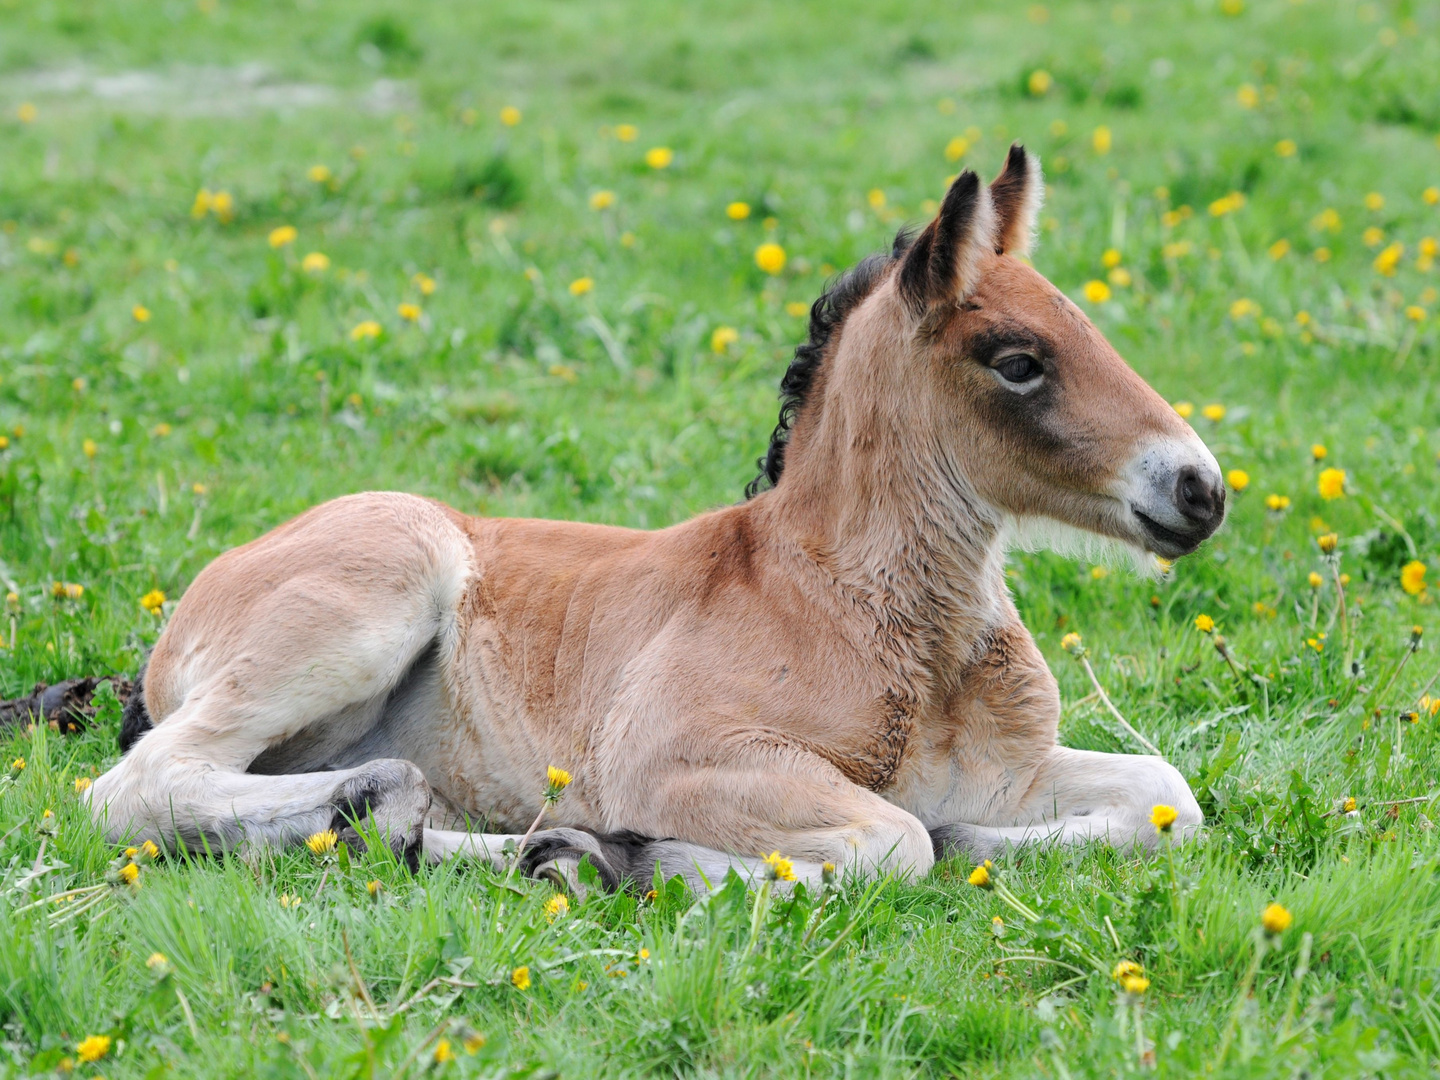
x=1078, y=796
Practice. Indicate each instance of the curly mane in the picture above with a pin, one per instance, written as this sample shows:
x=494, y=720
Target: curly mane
x=827, y=314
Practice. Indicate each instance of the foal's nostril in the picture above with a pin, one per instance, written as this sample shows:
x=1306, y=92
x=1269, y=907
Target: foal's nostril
x=1198, y=497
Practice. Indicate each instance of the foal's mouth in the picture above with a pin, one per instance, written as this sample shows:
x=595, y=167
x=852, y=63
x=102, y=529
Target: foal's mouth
x=1167, y=542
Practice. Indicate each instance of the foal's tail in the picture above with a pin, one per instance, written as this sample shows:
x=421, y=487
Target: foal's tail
x=135, y=720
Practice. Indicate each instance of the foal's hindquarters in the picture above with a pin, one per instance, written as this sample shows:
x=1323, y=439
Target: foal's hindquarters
x=383, y=656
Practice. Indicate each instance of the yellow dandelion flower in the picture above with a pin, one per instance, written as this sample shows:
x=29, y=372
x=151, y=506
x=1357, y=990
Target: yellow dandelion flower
x=1322, y=254
x=473, y=1042
x=18, y=764
x=582, y=285
x=222, y=205
x=1243, y=307
x=779, y=868
x=322, y=843
x=1327, y=542
x=1227, y=204
x=1096, y=291
x=1205, y=624
x=1119, y=277
x=659, y=157
x=130, y=873
x=1238, y=479
x=770, y=258
x=153, y=601
x=149, y=849
x=1348, y=806
x=1275, y=919
x=1101, y=140
x=1315, y=580
x=409, y=312
x=203, y=201
x=1415, y=313
x=369, y=329
x=1214, y=412
x=89, y=448
x=1388, y=259
x=957, y=148
x=1163, y=817
x=82, y=784
x=722, y=339
x=510, y=116
x=520, y=978
x=318, y=173
x=1431, y=195
x=556, y=906
x=796, y=309
x=1374, y=236
x=980, y=876
x=282, y=236
x=157, y=962
x=627, y=132
x=1374, y=201
x=1039, y=82
x=1135, y=984
x=317, y=262
x=1072, y=643
x=1331, y=483
x=1286, y=148
x=1247, y=96
x=1412, y=577
x=1110, y=259
x=1279, y=249
x=443, y=1053
x=374, y=888
x=602, y=200
x=737, y=211
x=1277, y=503
x=557, y=778
x=26, y=112
x=1098, y=572
x=93, y=1048
x=1184, y=409
x=1126, y=968
x=140, y=313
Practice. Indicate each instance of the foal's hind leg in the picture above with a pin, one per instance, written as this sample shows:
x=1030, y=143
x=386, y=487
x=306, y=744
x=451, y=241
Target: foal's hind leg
x=289, y=647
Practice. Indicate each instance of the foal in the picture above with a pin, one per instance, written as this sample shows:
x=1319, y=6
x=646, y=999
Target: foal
x=833, y=668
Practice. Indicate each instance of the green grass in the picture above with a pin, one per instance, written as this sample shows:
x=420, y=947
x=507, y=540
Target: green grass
x=513, y=397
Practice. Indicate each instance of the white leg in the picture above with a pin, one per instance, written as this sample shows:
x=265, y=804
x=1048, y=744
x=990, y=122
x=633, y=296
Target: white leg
x=1079, y=796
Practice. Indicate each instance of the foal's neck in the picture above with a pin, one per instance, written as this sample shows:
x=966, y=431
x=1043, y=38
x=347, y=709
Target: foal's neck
x=900, y=536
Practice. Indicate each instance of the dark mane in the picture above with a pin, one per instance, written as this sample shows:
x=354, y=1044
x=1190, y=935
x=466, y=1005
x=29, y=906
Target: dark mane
x=827, y=314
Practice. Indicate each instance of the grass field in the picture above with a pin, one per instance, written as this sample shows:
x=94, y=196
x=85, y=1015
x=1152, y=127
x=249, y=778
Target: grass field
x=591, y=337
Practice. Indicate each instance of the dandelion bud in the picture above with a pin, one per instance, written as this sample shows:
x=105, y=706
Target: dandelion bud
x=1327, y=542
x=1416, y=633
x=1073, y=645
x=374, y=889
x=556, y=781
x=827, y=873
x=980, y=876
x=1315, y=580
x=158, y=964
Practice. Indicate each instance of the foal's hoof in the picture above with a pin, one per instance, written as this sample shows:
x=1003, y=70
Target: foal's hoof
x=555, y=855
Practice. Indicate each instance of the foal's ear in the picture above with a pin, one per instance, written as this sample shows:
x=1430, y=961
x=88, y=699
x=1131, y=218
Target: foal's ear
x=943, y=264
x=1017, y=193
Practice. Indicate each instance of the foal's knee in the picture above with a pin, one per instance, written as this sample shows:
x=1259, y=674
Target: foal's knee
x=900, y=845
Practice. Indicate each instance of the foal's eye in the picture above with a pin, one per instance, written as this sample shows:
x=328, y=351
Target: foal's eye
x=1020, y=368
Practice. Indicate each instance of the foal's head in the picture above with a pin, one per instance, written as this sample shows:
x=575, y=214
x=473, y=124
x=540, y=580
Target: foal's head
x=953, y=355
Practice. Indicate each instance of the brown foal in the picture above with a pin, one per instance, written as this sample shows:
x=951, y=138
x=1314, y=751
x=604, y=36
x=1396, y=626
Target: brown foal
x=833, y=669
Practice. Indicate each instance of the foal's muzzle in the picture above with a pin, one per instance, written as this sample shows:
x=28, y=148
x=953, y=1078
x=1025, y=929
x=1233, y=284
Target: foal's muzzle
x=1176, y=495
